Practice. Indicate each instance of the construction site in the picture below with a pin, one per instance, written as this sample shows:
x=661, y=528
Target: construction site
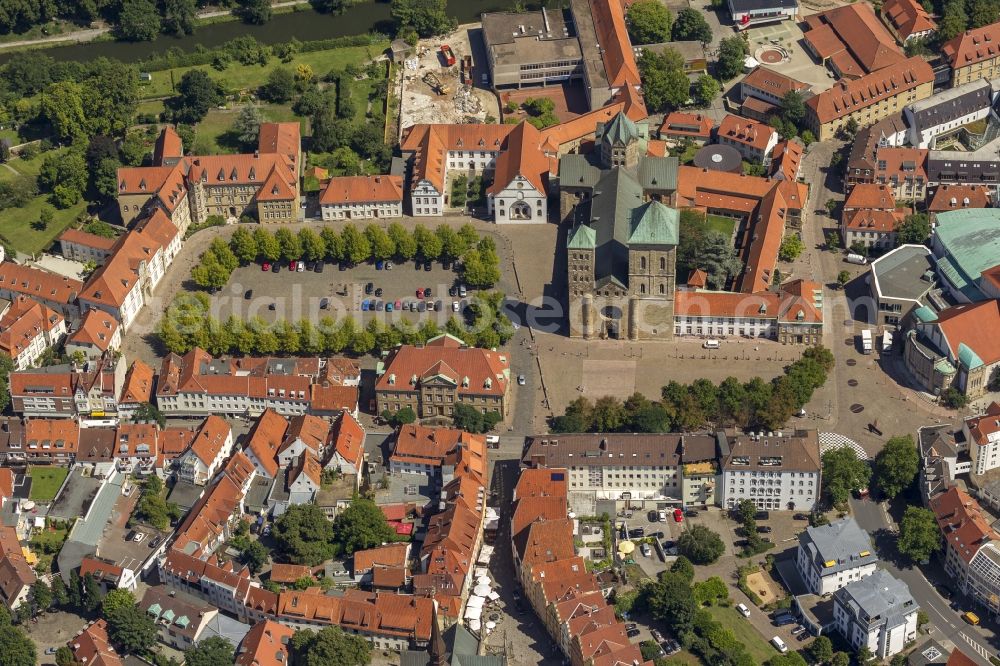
x=442, y=83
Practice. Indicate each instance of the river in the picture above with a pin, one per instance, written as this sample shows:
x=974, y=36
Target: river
x=304, y=25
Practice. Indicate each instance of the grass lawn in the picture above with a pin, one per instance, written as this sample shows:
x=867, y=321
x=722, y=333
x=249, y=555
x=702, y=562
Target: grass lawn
x=745, y=633
x=16, y=223
x=213, y=135
x=154, y=106
x=46, y=544
x=723, y=225
x=239, y=77
x=683, y=657
x=46, y=481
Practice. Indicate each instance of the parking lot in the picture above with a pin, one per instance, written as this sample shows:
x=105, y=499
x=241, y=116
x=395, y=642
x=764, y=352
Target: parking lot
x=113, y=544
x=294, y=295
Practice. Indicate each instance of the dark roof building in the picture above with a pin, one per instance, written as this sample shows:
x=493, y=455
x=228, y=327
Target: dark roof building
x=946, y=111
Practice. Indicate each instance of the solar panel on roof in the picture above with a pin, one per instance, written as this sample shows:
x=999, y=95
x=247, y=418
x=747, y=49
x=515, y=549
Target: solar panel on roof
x=558, y=476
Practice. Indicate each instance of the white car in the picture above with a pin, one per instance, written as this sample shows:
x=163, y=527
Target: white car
x=779, y=644
x=661, y=516
x=301, y=267
x=521, y=381
x=139, y=536
x=455, y=306
x=743, y=610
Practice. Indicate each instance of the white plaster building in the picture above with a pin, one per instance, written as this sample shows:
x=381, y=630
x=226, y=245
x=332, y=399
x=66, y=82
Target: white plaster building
x=877, y=612
x=832, y=556
x=947, y=112
x=983, y=435
x=362, y=197
x=210, y=448
x=778, y=471
x=27, y=329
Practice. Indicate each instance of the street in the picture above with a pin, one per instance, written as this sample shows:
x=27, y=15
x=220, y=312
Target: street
x=976, y=642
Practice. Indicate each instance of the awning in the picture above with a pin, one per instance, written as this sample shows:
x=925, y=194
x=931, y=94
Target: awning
x=475, y=601
x=473, y=613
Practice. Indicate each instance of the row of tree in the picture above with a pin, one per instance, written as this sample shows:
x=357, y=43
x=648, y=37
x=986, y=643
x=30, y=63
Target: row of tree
x=480, y=265
x=187, y=324
x=753, y=405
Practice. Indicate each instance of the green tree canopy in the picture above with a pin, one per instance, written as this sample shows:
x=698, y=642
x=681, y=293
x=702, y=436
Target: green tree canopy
x=843, y=473
x=919, y=536
x=700, y=545
x=16, y=649
x=671, y=600
x=360, y=526
x=683, y=567
x=705, y=90
x=304, y=535
x=732, y=54
x=896, y=466
x=427, y=17
x=280, y=86
x=914, y=230
x=649, y=22
x=138, y=21
x=692, y=26
x=330, y=645
x=196, y=94
x=665, y=84
x=212, y=651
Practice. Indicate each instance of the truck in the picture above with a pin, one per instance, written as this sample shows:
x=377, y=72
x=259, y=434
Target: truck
x=866, y=341
x=886, y=342
x=446, y=53
x=467, y=70
x=435, y=83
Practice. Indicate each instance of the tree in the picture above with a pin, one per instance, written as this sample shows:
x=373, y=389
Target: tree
x=116, y=600
x=683, y=567
x=90, y=594
x=62, y=105
x=952, y=398
x=60, y=595
x=131, y=629
x=983, y=12
x=41, y=595
x=329, y=132
x=919, y=536
x=210, y=273
x=428, y=243
x=197, y=93
x=708, y=591
x=212, y=651
x=179, y=17
x=672, y=601
x=732, y=54
x=692, y=26
x=254, y=556
x=304, y=535
x=915, y=229
x=313, y=246
x=665, y=85
x=65, y=176
x=843, y=473
x=821, y=650
x=329, y=645
x=843, y=277
x=840, y=659
x=479, y=272
x=864, y=656
x=110, y=96
x=718, y=259
x=405, y=247
x=355, y=245
x=649, y=22
x=254, y=11
x=427, y=17
x=291, y=248
x=401, y=417
x=243, y=245
x=896, y=466
x=64, y=657
x=791, y=248
x=360, y=526
x=700, y=545
x=247, y=125
x=953, y=22
x=381, y=245
x=280, y=86
x=705, y=90
x=138, y=21
x=268, y=246
x=787, y=659
x=793, y=108
x=16, y=649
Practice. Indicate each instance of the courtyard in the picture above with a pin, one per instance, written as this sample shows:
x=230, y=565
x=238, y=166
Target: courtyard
x=786, y=37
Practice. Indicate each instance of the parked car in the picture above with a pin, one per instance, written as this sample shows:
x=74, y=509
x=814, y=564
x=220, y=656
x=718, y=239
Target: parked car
x=276, y=268
x=655, y=535
x=378, y=292
x=453, y=291
x=388, y=307
x=427, y=266
x=265, y=267
x=668, y=544
x=801, y=516
x=671, y=647
x=421, y=306
x=779, y=644
x=657, y=636
x=379, y=265
x=427, y=292
x=782, y=620
x=743, y=610
x=632, y=633
x=364, y=305
x=454, y=306
x=379, y=306
x=319, y=266
x=369, y=288
x=388, y=265
x=630, y=625
x=420, y=292
x=637, y=533
x=645, y=549
x=248, y=294
x=271, y=306
x=50, y=650
x=678, y=516
x=266, y=531
x=764, y=529
x=156, y=542
x=139, y=536
x=324, y=303
x=397, y=305
x=762, y=515
x=493, y=441
x=521, y=381
x=661, y=516
x=310, y=265
x=462, y=291
x=691, y=513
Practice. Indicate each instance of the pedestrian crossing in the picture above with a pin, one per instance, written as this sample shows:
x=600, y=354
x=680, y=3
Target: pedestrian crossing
x=832, y=440
x=980, y=649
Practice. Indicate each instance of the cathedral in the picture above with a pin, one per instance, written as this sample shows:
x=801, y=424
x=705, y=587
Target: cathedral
x=621, y=248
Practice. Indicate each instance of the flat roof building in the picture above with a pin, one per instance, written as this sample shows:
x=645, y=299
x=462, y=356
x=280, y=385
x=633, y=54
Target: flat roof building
x=900, y=281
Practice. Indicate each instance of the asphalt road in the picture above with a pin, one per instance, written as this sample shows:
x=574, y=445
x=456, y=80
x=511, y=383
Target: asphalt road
x=976, y=642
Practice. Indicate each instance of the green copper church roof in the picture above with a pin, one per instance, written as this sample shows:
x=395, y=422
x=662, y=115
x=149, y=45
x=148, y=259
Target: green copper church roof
x=925, y=314
x=582, y=238
x=967, y=357
x=620, y=130
x=654, y=224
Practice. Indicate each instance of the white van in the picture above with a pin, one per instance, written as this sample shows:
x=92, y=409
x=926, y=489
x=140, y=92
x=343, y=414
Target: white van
x=743, y=610
x=711, y=343
x=854, y=258
x=779, y=644
x=493, y=441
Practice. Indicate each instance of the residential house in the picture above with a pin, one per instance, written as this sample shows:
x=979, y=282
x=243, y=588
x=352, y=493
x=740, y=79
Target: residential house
x=433, y=378
x=16, y=575
x=68, y=391
x=871, y=217
x=983, y=435
x=871, y=97
x=763, y=92
x=778, y=471
x=266, y=644
x=53, y=291
x=180, y=619
x=348, y=448
x=93, y=647
x=109, y=575
x=972, y=558
x=211, y=446
x=305, y=476
x=304, y=434
x=420, y=450
x=678, y=127
x=973, y=54
x=98, y=334
x=834, y=555
x=877, y=612
x=955, y=197
x=137, y=390
x=907, y=20
x=28, y=329
x=81, y=246
x=362, y=197
x=138, y=450
x=51, y=441
x=753, y=139
x=394, y=557
x=263, y=442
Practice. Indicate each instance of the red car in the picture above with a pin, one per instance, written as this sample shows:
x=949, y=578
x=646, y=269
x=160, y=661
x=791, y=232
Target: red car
x=397, y=305
x=265, y=267
x=420, y=292
x=678, y=516
x=292, y=265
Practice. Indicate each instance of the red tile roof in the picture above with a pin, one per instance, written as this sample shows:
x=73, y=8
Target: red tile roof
x=80, y=237
x=785, y=159
x=871, y=196
x=349, y=439
x=883, y=221
x=847, y=97
x=265, y=439
x=857, y=31
x=973, y=46
x=392, y=555
x=584, y=125
x=15, y=572
x=289, y=573
x=211, y=438
x=615, y=46
x=24, y=321
x=748, y=132
x=522, y=157
x=266, y=644
x=772, y=82
x=431, y=144
x=38, y=284
x=952, y=197
x=975, y=325
x=962, y=522
x=168, y=145
x=908, y=17
x=680, y=124
x=281, y=139
x=358, y=189
x=97, y=330
x=982, y=427
x=138, y=386
x=92, y=646
x=430, y=446
x=474, y=371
